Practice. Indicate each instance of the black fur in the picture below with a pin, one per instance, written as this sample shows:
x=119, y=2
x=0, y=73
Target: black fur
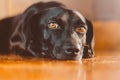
x=28, y=33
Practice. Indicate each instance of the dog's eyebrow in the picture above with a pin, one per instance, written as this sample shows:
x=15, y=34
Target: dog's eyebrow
x=61, y=19
x=61, y=23
x=79, y=22
x=80, y=15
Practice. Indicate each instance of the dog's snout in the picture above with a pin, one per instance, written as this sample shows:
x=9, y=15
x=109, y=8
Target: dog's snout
x=72, y=51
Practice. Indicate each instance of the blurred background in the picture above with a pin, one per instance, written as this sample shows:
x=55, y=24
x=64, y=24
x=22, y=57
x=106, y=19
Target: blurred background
x=105, y=15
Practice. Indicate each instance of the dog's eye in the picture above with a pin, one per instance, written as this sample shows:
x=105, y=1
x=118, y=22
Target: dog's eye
x=80, y=29
x=53, y=25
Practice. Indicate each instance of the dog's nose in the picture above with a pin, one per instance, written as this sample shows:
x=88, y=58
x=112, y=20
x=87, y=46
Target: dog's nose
x=72, y=51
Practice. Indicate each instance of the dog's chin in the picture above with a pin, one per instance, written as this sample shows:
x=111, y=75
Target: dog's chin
x=62, y=56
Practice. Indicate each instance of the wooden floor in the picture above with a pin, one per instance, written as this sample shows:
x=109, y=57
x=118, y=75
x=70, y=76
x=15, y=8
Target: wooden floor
x=102, y=67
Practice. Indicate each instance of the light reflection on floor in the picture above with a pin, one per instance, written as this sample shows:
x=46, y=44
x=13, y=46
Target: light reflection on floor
x=102, y=67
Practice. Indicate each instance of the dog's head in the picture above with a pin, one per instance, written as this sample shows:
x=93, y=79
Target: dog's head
x=60, y=33
x=63, y=33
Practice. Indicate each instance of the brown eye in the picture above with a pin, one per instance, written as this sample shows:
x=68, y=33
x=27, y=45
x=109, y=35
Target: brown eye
x=53, y=25
x=80, y=29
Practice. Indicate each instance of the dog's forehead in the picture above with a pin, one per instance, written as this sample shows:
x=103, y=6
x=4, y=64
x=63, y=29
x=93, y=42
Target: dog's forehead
x=71, y=14
x=64, y=17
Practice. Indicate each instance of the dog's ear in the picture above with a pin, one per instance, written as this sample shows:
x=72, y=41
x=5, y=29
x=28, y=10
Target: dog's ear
x=24, y=36
x=21, y=30
x=89, y=46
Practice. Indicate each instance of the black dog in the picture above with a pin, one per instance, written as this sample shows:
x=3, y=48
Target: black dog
x=50, y=30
